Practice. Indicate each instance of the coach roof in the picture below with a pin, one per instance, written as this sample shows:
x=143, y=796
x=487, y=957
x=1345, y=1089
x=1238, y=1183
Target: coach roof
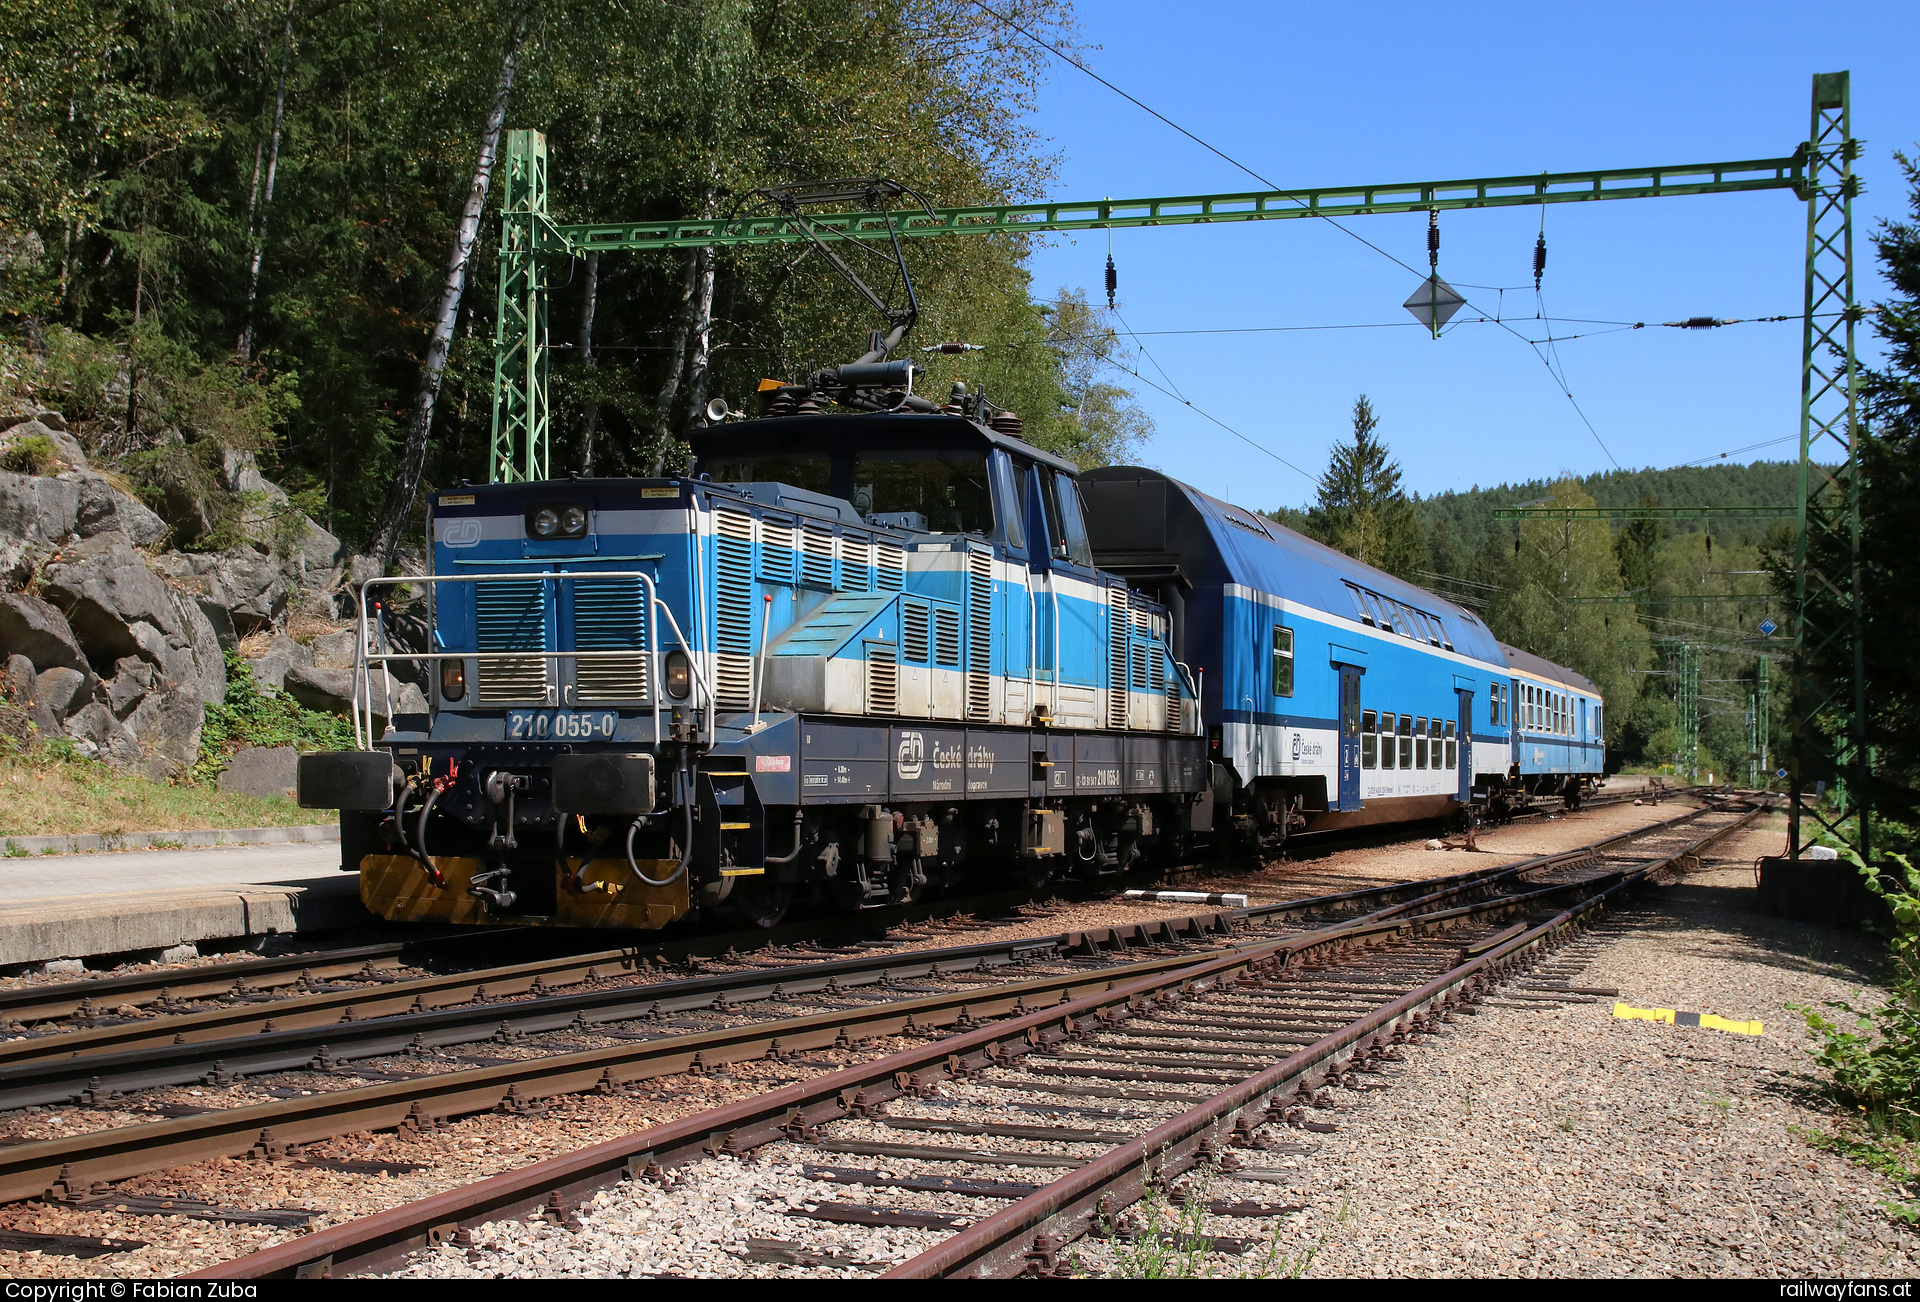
x=1145, y=524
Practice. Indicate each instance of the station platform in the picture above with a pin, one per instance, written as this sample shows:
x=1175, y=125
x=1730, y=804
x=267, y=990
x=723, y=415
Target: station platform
x=80, y=906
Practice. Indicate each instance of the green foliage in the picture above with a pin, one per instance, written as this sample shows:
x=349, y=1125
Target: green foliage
x=33, y=455
x=1873, y=1053
x=1162, y=1239
x=134, y=198
x=1361, y=508
x=250, y=717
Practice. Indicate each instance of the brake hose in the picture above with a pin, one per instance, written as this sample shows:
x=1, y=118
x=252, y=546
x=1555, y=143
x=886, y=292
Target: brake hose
x=420, y=834
x=573, y=875
x=686, y=854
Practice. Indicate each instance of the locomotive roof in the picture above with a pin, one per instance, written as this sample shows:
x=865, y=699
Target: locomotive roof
x=1527, y=662
x=1142, y=522
x=833, y=431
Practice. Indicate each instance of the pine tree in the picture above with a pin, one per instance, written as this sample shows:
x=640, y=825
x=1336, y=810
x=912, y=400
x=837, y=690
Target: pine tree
x=1888, y=588
x=1361, y=507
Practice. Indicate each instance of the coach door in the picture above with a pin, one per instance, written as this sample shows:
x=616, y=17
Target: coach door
x=1349, y=737
x=1465, y=792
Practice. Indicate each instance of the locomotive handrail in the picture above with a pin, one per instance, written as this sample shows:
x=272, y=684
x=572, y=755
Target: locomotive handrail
x=365, y=657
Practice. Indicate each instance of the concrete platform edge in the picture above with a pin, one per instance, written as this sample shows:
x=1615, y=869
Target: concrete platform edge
x=90, y=926
x=96, y=843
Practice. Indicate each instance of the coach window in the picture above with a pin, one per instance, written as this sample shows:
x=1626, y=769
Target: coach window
x=1453, y=747
x=1433, y=736
x=1420, y=742
x=1282, y=660
x=1493, y=708
x=1406, y=741
x=1369, y=743
x=1387, y=747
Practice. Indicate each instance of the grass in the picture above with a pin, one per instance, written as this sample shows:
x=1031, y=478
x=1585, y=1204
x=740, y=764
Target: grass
x=45, y=795
x=1157, y=1239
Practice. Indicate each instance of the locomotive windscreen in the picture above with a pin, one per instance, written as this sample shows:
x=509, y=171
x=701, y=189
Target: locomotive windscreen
x=812, y=471
x=939, y=491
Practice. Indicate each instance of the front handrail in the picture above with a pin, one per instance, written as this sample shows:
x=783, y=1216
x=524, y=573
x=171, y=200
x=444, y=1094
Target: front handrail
x=365, y=657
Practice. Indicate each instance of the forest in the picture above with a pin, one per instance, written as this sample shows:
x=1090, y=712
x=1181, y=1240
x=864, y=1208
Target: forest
x=270, y=226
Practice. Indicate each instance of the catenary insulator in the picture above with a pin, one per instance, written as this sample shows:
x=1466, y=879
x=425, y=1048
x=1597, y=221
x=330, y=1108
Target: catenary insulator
x=1113, y=281
x=1433, y=238
x=1539, y=260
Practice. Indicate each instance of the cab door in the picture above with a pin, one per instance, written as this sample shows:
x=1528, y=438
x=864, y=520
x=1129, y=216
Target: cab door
x=1349, y=737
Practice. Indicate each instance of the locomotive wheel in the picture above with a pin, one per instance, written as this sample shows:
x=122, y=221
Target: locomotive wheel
x=1033, y=874
x=763, y=904
x=909, y=884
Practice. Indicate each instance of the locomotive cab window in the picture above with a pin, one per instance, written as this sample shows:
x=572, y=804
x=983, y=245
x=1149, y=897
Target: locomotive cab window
x=812, y=471
x=1282, y=660
x=1073, y=526
x=1388, y=748
x=935, y=491
x=1013, y=500
x=1369, y=742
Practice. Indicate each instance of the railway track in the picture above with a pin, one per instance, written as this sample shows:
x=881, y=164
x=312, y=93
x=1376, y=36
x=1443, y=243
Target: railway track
x=331, y=1026
x=443, y=958
x=1197, y=1053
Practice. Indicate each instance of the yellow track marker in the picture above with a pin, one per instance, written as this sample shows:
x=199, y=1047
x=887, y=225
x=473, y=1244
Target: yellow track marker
x=1673, y=1017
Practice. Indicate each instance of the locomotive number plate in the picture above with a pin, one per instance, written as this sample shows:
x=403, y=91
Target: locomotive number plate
x=561, y=725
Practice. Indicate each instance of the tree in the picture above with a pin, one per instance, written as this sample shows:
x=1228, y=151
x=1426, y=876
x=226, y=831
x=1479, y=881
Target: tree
x=406, y=480
x=1887, y=586
x=1361, y=507
x=1562, y=558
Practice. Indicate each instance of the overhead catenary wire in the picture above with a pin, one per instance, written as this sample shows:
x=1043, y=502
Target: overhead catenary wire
x=1350, y=233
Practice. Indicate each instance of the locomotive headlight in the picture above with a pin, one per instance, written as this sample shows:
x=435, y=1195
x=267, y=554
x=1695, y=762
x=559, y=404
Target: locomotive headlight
x=546, y=522
x=679, y=675
x=453, y=679
x=573, y=521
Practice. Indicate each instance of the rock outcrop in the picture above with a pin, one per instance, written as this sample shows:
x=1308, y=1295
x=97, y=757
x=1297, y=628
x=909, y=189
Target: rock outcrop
x=116, y=643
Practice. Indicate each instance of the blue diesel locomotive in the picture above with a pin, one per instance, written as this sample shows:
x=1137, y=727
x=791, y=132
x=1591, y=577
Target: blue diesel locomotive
x=856, y=655
x=851, y=657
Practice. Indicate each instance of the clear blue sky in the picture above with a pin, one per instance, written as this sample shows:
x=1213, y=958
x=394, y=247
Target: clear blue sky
x=1349, y=94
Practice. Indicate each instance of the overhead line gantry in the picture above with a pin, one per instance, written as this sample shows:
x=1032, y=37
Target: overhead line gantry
x=1819, y=172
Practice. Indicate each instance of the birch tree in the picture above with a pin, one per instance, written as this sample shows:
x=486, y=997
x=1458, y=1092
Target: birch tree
x=413, y=460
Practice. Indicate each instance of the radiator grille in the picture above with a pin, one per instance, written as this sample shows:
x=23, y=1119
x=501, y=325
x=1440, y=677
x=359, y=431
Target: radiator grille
x=946, y=638
x=816, y=556
x=610, y=615
x=890, y=575
x=1139, y=683
x=511, y=615
x=776, y=551
x=883, y=679
x=979, y=635
x=913, y=631
x=1175, y=717
x=1157, y=669
x=733, y=609
x=856, y=564
x=1117, y=660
